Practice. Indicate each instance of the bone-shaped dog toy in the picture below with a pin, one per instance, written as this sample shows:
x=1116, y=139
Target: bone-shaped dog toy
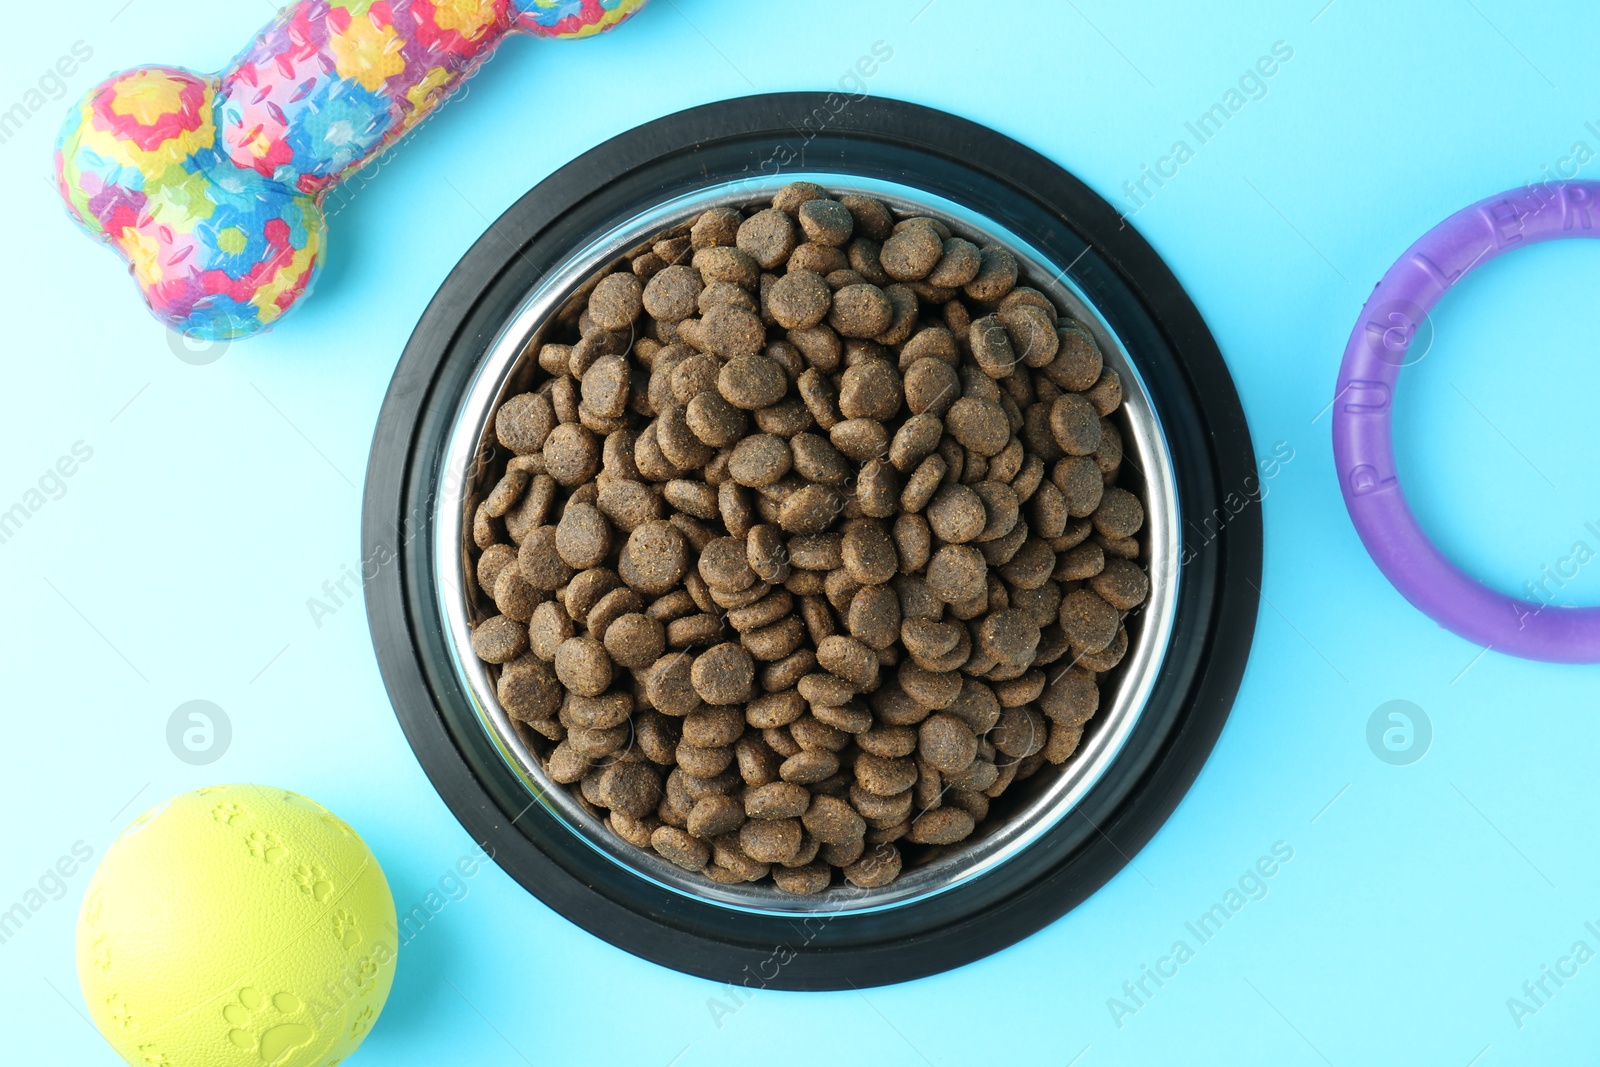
x=211, y=186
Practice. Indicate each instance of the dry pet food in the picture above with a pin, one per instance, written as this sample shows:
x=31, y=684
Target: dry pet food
x=809, y=542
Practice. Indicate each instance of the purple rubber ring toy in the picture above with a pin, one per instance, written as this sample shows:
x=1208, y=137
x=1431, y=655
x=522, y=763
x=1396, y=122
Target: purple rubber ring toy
x=1363, y=449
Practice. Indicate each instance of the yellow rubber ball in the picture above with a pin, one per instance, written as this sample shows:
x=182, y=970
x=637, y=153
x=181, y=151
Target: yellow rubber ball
x=237, y=925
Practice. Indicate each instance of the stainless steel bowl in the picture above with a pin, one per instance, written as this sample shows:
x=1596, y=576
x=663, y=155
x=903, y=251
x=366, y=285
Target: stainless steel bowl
x=1041, y=801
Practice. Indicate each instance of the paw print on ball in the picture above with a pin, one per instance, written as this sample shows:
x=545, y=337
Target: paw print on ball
x=363, y=1022
x=260, y=1024
x=345, y=929
x=154, y=1057
x=265, y=846
x=121, y=1014
x=314, y=882
x=100, y=953
x=228, y=812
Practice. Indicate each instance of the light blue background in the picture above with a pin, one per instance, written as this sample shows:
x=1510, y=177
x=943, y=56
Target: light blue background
x=219, y=498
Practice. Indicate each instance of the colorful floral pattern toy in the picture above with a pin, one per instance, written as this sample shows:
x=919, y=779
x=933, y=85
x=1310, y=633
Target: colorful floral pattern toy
x=211, y=186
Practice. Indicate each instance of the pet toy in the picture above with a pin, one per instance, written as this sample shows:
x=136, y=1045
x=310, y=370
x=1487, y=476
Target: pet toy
x=1363, y=447
x=211, y=186
x=237, y=925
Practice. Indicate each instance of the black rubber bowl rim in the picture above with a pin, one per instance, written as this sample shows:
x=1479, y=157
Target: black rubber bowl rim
x=1194, y=398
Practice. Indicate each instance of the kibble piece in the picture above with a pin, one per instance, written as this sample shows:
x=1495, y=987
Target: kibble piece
x=714, y=421
x=890, y=742
x=541, y=565
x=571, y=454
x=872, y=218
x=803, y=880
x=523, y=423
x=634, y=789
x=991, y=347
x=1032, y=332
x=605, y=387
x=976, y=706
x=1120, y=515
x=768, y=237
x=869, y=555
x=860, y=439
x=680, y=848
x=548, y=627
x=810, y=733
x=1122, y=583
x=760, y=460
x=864, y=255
x=852, y=718
x=833, y=822
x=809, y=510
x=912, y=253
x=1106, y=393
x=791, y=196
x=878, y=866
x=505, y=493
x=1019, y=733
x=713, y=727
x=820, y=258
x=885, y=777
x=635, y=641
x=947, y=743
x=979, y=425
x=717, y=226
x=776, y=642
x=997, y=275
x=617, y=301
x=583, y=666
x=777, y=800
x=1075, y=425
x=724, y=674
x=767, y=556
x=870, y=390
x=931, y=385
x=773, y=710
x=751, y=381
x=1107, y=658
x=958, y=264
x=809, y=767
x=495, y=559
x=1078, y=362
x=499, y=640
x=1089, y=623
x=849, y=659
x=714, y=816
x=583, y=537
x=655, y=558
x=860, y=311
x=800, y=299
x=874, y=616
x=1031, y=567
x=731, y=332
x=826, y=222
x=1078, y=478
x=931, y=689
x=529, y=690
x=1000, y=509
x=669, y=685
x=957, y=573
x=956, y=514
x=824, y=689
x=724, y=564
x=944, y=826
x=770, y=840
x=513, y=596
